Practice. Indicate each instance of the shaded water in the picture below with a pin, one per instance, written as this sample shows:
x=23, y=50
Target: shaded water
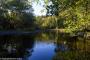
x=45, y=46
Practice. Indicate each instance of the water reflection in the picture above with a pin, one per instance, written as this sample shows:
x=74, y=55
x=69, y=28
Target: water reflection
x=45, y=46
x=43, y=51
x=15, y=46
x=72, y=48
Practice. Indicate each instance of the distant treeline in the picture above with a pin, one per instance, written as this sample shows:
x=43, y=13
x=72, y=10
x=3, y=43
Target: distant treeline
x=70, y=15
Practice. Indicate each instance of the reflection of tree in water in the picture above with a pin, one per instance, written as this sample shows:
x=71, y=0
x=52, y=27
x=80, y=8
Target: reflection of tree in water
x=13, y=46
x=61, y=46
x=72, y=49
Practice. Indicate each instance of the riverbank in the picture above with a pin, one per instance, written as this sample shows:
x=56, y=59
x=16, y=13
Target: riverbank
x=14, y=32
x=59, y=30
x=62, y=31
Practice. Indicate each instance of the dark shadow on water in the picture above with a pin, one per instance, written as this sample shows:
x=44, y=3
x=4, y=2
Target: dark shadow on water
x=15, y=46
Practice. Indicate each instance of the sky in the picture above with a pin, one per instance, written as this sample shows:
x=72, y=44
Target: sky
x=39, y=9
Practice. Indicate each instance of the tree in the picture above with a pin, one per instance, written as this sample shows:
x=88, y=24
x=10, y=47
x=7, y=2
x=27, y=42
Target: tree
x=73, y=13
x=15, y=13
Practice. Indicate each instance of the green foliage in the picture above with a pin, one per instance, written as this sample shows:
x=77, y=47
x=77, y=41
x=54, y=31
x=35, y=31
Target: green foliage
x=74, y=14
x=16, y=14
x=46, y=22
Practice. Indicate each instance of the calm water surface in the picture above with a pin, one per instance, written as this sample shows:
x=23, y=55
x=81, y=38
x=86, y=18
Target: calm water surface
x=45, y=46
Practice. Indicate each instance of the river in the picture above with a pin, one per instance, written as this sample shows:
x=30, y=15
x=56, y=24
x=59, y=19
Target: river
x=44, y=46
